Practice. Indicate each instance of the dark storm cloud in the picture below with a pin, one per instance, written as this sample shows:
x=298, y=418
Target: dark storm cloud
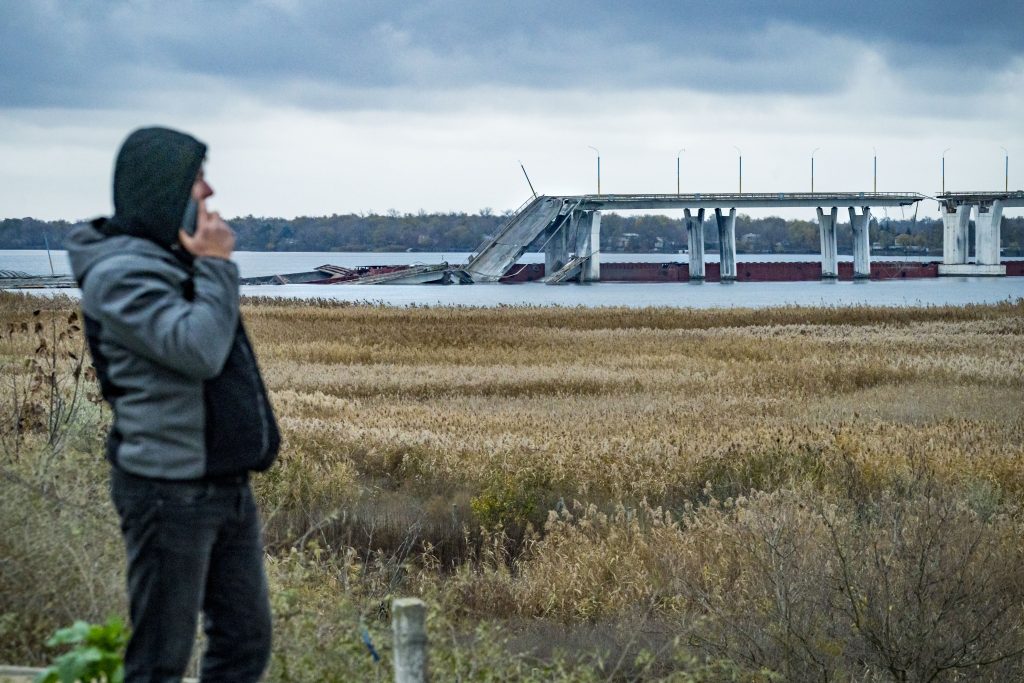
x=111, y=53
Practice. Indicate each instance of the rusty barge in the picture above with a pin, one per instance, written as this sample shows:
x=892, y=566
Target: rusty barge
x=758, y=271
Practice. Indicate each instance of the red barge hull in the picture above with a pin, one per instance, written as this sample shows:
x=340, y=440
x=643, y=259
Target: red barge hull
x=748, y=272
x=804, y=271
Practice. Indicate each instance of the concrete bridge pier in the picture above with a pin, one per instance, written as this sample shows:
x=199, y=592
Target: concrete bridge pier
x=587, y=231
x=987, y=229
x=695, y=239
x=954, y=234
x=956, y=221
x=829, y=248
x=727, y=243
x=861, y=242
x=556, y=250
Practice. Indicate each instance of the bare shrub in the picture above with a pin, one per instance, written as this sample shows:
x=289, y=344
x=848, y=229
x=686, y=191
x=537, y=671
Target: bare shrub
x=932, y=589
x=43, y=391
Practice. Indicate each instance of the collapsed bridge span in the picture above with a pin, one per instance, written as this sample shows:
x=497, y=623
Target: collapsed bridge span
x=499, y=252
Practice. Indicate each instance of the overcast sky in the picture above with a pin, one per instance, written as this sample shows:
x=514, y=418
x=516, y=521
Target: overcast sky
x=320, y=107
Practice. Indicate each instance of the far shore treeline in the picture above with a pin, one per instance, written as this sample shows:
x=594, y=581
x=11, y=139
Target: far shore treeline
x=393, y=231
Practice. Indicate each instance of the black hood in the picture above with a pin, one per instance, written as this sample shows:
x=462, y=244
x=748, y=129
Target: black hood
x=153, y=179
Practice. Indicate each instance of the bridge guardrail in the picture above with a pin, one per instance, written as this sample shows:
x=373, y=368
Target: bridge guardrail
x=712, y=196
x=486, y=244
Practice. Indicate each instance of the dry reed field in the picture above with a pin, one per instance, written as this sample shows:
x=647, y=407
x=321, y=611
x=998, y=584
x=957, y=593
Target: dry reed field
x=581, y=494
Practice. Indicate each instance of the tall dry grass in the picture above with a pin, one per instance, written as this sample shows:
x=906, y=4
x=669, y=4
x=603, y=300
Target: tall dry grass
x=826, y=494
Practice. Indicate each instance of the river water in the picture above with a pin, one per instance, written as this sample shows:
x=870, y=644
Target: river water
x=927, y=291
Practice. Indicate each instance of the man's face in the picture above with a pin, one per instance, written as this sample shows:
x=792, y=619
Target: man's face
x=200, y=188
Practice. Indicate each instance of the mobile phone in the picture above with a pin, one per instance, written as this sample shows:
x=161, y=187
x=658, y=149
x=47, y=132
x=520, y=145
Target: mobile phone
x=191, y=217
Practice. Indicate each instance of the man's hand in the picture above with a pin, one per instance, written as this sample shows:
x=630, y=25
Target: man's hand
x=213, y=236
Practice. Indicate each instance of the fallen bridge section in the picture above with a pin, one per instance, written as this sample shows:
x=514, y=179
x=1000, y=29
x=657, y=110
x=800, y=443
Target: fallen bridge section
x=434, y=273
x=502, y=250
x=566, y=272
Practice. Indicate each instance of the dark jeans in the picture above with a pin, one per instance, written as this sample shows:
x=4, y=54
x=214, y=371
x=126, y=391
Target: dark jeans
x=193, y=546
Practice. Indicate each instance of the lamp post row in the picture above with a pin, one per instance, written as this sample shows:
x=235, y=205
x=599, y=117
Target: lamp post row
x=874, y=166
x=1006, y=169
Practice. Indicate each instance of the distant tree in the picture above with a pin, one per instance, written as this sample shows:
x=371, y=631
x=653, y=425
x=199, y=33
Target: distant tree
x=465, y=232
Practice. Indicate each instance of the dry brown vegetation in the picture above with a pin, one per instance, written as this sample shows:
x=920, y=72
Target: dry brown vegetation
x=624, y=494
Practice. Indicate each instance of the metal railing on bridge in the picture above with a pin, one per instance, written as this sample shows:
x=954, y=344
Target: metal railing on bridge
x=734, y=199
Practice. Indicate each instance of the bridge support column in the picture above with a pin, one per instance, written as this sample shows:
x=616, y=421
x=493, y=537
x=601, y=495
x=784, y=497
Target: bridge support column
x=829, y=249
x=861, y=242
x=727, y=243
x=556, y=251
x=986, y=240
x=587, y=230
x=695, y=239
x=954, y=234
x=987, y=229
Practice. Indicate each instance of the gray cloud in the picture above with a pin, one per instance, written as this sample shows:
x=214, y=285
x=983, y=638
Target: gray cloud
x=114, y=53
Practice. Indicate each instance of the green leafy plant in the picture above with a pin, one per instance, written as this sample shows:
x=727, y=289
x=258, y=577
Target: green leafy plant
x=512, y=501
x=97, y=656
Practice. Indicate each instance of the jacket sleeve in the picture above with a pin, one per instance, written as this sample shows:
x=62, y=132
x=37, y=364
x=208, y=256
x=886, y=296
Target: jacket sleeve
x=140, y=305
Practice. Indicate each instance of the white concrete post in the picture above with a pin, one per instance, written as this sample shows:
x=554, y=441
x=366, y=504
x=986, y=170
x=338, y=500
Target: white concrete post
x=556, y=252
x=583, y=242
x=987, y=229
x=407, y=621
x=695, y=238
x=954, y=234
x=591, y=271
x=727, y=243
x=861, y=242
x=829, y=249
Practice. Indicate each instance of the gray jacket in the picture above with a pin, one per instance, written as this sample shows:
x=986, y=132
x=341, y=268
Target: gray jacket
x=172, y=358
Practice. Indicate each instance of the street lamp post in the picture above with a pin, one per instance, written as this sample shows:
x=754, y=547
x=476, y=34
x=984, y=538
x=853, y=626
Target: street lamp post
x=740, y=153
x=681, y=150
x=944, y=169
x=598, y=167
x=812, y=168
x=1006, y=170
x=874, y=164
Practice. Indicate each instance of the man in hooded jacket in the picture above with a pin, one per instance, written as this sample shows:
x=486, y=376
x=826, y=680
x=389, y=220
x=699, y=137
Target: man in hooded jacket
x=191, y=417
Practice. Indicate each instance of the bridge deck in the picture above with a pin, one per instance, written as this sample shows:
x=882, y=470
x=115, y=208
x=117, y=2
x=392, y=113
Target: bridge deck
x=1013, y=198
x=728, y=200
